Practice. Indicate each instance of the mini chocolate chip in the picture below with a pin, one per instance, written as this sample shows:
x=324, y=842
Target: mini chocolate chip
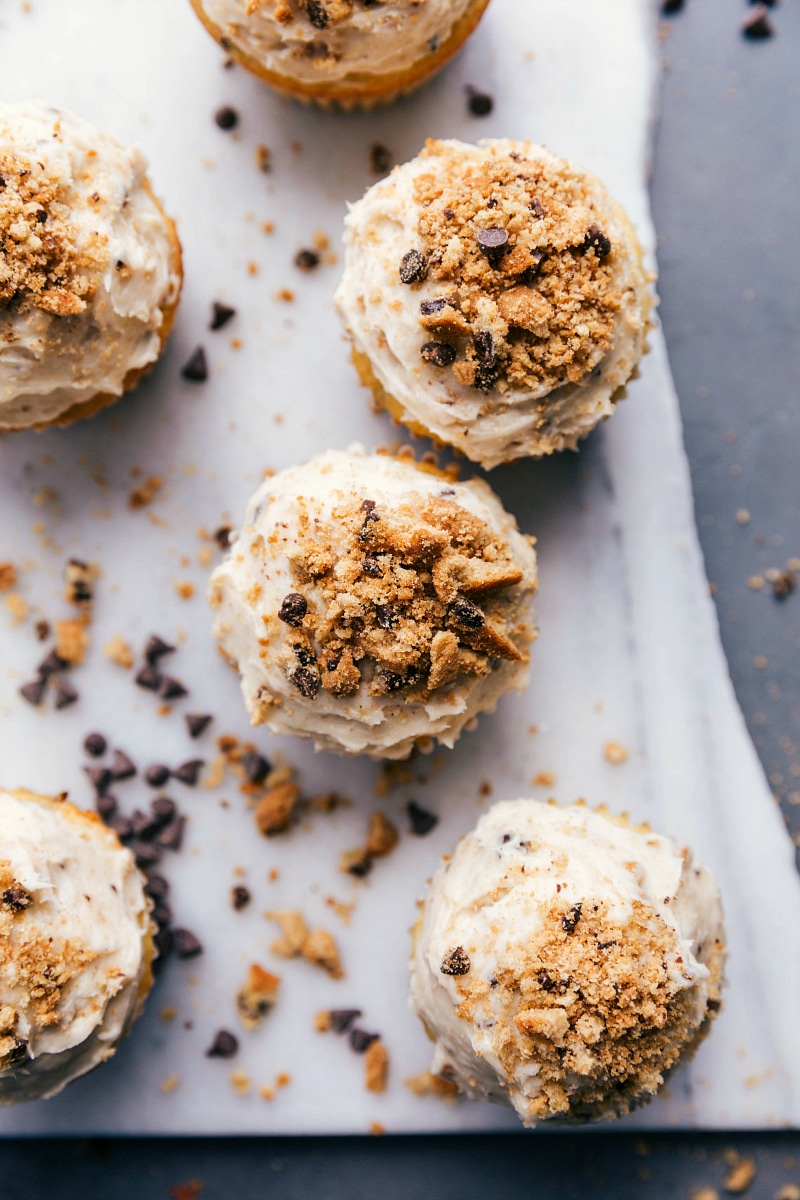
x=390, y=681
x=360, y=867
x=162, y=915
x=428, y=308
x=240, y=897
x=304, y=655
x=342, y=1018
x=293, y=609
x=455, y=962
x=189, y=772
x=148, y=677
x=669, y=7
x=65, y=693
x=155, y=648
x=595, y=240
x=95, y=744
x=164, y=942
x=255, y=767
x=222, y=536
x=156, y=775
x=121, y=826
x=380, y=159
x=480, y=104
x=197, y=723
x=307, y=682
x=367, y=506
x=221, y=314
x=17, y=1053
x=99, y=777
x=537, y=208
x=317, y=14
x=484, y=348
x=570, y=919
x=758, y=26
x=147, y=854
x=195, y=369
x=51, y=665
x=372, y=567
x=532, y=273
x=226, y=117
x=121, y=766
x=16, y=898
x=34, y=692
x=170, y=836
x=439, y=354
x=784, y=584
x=156, y=886
x=386, y=615
x=545, y=982
x=360, y=1040
x=713, y=1005
x=163, y=809
x=106, y=806
x=41, y=216
x=465, y=613
x=224, y=1045
x=493, y=243
x=42, y=629
x=172, y=689
x=449, y=213
x=306, y=260
x=422, y=821
x=413, y=267
x=143, y=825
x=186, y=944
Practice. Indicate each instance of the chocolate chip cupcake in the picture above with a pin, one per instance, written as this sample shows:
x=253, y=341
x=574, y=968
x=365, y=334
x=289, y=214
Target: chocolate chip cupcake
x=342, y=53
x=372, y=604
x=565, y=962
x=495, y=298
x=90, y=272
x=75, y=944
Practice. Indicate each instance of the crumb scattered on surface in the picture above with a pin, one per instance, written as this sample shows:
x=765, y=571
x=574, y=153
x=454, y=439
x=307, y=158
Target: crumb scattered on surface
x=376, y=1067
x=145, y=493
x=240, y=1082
x=615, y=753
x=72, y=640
x=544, y=779
x=169, y=1084
x=428, y=1084
x=740, y=1176
x=17, y=607
x=119, y=651
x=8, y=576
x=257, y=996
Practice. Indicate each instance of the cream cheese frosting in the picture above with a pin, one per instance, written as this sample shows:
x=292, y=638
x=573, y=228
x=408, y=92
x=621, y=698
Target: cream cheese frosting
x=497, y=293
x=74, y=938
x=371, y=604
x=90, y=265
x=330, y=41
x=564, y=961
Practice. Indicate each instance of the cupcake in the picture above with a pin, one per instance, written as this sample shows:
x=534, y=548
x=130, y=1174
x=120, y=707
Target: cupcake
x=75, y=944
x=372, y=604
x=495, y=297
x=343, y=53
x=90, y=272
x=564, y=962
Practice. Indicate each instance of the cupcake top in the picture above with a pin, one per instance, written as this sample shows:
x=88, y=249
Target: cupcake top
x=328, y=41
x=564, y=960
x=369, y=602
x=73, y=920
x=498, y=294
x=89, y=264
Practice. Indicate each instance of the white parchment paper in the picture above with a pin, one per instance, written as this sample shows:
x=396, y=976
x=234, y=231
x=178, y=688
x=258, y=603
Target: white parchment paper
x=629, y=649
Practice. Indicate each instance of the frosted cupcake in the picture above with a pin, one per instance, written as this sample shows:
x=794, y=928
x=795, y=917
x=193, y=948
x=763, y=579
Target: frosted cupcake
x=90, y=272
x=75, y=944
x=565, y=962
x=372, y=604
x=495, y=298
x=347, y=53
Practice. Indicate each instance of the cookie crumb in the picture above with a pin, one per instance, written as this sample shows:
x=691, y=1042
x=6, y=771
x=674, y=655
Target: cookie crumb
x=8, y=576
x=376, y=1067
x=119, y=651
x=740, y=1176
x=320, y=949
x=169, y=1084
x=615, y=753
x=294, y=932
x=72, y=640
x=428, y=1084
x=240, y=1082
x=275, y=808
x=145, y=493
x=544, y=779
x=257, y=996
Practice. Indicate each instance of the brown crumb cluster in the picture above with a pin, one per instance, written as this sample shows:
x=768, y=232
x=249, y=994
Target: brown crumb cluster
x=420, y=595
x=528, y=298
x=317, y=946
x=592, y=1002
x=41, y=265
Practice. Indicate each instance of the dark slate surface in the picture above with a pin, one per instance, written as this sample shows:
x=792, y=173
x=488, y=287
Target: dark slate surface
x=725, y=194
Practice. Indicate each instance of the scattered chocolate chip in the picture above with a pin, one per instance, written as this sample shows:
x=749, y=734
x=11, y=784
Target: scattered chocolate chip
x=95, y=744
x=342, y=1018
x=595, y=240
x=170, y=837
x=360, y=866
x=713, y=1005
x=155, y=648
x=51, y=665
x=380, y=159
x=757, y=26
x=195, y=369
x=121, y=826
x=17, y=1053
x=16, y=898
x=293, y=609
x=65, y=693
x=422, y=821
x=493, y=243
x=429, y=308
x=367, y=506
x=306, y=260
x=317, y=14
x=532, y=273
x=465, y=613
x=455, y=962
x=99, y=777
x=224, y=1045
x=390, y=681
x=163, y=809
x=148, y=677
x=670, y=7
x=545, y=981
x=307, y=682
x=34, y=691
x=480, y=104
x=147, y=854
x=156, y=775
x=226, y=117
x=142, y=825
x=537, y=208
x=449, y=213
x=222, y=536
x=360, y=1040
x=172, y=689
x=372, y=567
x=189, y=772
x=240, y=897
x=439, y=354
x=156, y=886
x=570, y=919
x=106, y=806
x=784, y=584
x=255, y=767
x=220, y=315
x=121, y=766
x=162, y=915
x=413, y=267
x=386, y=615
x=42, y=630
x=164, y=942
x=186, y=944
x=197, y=723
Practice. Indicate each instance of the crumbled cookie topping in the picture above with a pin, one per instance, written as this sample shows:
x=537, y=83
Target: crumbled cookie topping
x=594, y=1004
x=257, y=996
x=41, y=265
x=398, y=608
x=528, y=298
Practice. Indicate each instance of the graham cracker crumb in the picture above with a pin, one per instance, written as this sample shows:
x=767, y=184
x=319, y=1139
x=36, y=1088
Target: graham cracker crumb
x=72, y=640
x=275, y=808
x=382, y=836
x=376, y=1067
x=428, y=1084
x=119, y=651
x=322, y=1021
x=320, y=949
x=294, y=933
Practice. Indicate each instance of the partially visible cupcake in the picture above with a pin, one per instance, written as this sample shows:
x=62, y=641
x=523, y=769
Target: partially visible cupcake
x=495, y=297
x=565, y=962
x=90, y=271
x=372, y=604
x=75, y=944
x=343, y=53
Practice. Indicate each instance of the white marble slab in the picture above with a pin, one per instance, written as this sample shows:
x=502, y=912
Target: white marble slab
x=629, y=647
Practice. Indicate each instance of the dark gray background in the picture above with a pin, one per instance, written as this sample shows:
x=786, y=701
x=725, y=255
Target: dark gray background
x=725, y=197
